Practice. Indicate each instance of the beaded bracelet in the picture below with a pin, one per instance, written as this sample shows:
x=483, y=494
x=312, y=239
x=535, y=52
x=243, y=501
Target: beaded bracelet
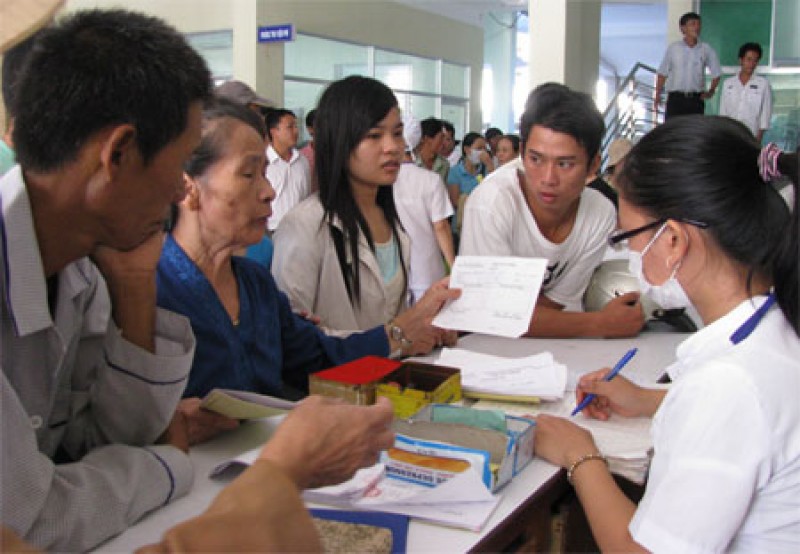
x=579, y=461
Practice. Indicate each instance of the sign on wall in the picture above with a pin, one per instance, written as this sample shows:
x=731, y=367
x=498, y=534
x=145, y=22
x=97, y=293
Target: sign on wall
x=276, y=33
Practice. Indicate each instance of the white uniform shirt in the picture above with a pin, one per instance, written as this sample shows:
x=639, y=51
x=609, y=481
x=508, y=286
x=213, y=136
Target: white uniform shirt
x=684, y=66
x=750, y=103
x=421, y=200
x=498, y=222
x=291, y=181
x=726, y=471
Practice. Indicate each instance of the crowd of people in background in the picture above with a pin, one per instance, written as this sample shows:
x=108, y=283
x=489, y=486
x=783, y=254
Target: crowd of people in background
x=280, y=260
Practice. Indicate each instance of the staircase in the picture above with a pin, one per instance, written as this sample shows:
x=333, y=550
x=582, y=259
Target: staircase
x=630, y=112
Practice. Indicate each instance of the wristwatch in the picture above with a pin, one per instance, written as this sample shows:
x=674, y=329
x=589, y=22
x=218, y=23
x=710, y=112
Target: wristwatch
x=396, y=333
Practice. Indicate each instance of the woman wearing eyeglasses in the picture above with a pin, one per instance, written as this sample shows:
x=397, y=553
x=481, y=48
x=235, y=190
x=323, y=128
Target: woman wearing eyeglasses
x=703, y=228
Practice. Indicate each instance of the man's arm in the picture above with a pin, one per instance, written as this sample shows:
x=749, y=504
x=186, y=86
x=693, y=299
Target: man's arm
x=75, y=506
x=711, y=90
x=622, y=317
x=444, y=237
x=322, y=441
x=660, y=81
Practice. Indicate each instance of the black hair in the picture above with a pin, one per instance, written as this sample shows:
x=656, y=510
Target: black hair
x=310, y=118
x=431, y=127
x=98, y=68
x=687, y=17
x=273, y=117
x=514, y=139
x=213, y=139
x=492, y=132
x=13, y=64
x=449, y=126
x=346, y=112
x=560, y=109
x=704, y=168
x=750, y=47
x=468, y=140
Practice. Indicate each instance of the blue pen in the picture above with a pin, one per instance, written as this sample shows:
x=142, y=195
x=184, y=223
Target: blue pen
x=613, y=373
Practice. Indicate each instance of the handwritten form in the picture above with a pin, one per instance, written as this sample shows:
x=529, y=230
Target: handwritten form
x=537, y=376
x=498, y=294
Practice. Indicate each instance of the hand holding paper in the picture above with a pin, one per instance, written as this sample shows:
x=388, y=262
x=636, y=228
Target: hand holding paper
x=498, y=294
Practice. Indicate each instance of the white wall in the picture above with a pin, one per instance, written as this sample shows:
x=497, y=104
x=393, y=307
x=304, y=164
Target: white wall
x=380, y=23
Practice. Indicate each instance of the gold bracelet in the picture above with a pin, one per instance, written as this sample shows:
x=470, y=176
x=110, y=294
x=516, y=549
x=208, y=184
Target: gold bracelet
x=579, y=461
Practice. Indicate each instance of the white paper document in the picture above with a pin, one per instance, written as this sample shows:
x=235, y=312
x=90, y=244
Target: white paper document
x=463, y=501
x=532, y=376
x=498, y=294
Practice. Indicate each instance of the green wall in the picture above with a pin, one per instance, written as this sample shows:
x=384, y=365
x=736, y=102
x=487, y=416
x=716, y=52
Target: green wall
x=727, y=24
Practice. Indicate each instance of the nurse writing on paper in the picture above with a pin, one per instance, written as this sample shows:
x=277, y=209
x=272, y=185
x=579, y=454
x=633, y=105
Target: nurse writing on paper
x=703, y=228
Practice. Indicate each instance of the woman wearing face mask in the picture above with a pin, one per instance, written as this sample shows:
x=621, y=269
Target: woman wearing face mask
x=342, y=254
x=474, y=165
x=703, y=228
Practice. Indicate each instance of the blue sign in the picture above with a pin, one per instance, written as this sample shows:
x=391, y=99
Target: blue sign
x=276, y=33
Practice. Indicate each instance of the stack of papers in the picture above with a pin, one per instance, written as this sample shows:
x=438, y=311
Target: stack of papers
x=625, y=441
x=525, y=379
x=463, y=501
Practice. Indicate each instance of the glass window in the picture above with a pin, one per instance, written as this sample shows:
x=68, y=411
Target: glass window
x=457, y=115
x=424, y=87
x=301, y=97
x=416, y=105
x=319, y=58
x=455, y=80
x=216, y=48
x=405, y=72
x=786, y=40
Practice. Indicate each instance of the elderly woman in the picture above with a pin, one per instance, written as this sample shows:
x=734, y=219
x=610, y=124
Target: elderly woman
x=248, y=338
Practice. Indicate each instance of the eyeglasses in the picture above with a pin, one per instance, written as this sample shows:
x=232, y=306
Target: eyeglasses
x=616, y=238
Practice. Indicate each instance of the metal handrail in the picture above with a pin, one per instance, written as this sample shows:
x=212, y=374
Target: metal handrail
x=633, y=91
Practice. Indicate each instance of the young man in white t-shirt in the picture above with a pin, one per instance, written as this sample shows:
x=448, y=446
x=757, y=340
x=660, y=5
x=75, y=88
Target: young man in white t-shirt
x=538, y=206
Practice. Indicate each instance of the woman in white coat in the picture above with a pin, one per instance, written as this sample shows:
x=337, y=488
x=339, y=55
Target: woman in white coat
x=342, y=254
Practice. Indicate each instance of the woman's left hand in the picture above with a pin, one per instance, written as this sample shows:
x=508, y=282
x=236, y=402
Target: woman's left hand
x=561, y=442
x=417, y=321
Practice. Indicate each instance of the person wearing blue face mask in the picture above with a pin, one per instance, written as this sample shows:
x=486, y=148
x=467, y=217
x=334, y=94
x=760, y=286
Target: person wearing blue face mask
x=703, y=229
x=474, y=165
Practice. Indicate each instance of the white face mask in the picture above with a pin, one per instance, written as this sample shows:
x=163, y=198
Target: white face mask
x=475, y=156
x=669, y=295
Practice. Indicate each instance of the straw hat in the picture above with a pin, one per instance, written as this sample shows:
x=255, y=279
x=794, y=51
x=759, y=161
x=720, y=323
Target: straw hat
x=19, y=19
x=617, y=150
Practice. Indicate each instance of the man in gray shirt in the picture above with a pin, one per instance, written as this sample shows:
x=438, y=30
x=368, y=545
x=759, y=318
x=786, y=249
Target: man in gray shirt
x=683, y=71
x=110, y=107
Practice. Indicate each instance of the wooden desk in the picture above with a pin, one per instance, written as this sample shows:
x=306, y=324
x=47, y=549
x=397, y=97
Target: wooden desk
x=524, y=510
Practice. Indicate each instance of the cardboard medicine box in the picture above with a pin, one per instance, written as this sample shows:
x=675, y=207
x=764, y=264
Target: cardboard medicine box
x=409, y=385
x=436, y=431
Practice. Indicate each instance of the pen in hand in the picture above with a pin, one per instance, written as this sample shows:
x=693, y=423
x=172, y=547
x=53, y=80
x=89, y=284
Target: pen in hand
x=611, y=374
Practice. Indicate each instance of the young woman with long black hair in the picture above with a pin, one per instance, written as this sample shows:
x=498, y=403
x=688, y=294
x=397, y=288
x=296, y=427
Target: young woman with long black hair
x=342, y=254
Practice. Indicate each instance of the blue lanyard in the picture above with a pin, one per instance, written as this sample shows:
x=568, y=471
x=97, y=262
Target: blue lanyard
x=752, y=322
